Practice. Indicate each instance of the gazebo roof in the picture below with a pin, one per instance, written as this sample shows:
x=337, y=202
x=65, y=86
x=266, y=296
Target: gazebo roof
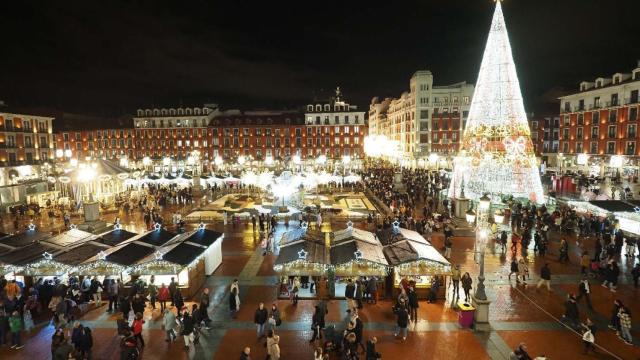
x=313, y=252
x=115, y=237
x=204, y=237
x=79, y=254
x=24, y=238
x=156, y=237
x=130, y=254
x=183, y=254
x=345, y=252
x=351, y=233
x=67, y=238
x=26, y=254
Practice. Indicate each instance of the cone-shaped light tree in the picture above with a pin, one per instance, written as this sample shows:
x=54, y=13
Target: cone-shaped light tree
x=496, y=154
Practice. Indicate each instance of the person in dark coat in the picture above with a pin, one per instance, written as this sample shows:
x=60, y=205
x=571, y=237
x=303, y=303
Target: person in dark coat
x=187, y=329
x=233, y=304
x=372, y=354
x=412, y=295
x=86, y=343
x=260, y=319
x=402, y=321
x=138, y=304
x=358, y=330
x=571, y=311
x=317, y=324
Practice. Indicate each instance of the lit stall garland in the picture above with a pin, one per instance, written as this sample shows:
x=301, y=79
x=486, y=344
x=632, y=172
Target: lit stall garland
x=100, y=267
x=8, y=269
x=46, y=267
x=361, y=268
x=301, y=266
x=497, y=154
x=422, y=266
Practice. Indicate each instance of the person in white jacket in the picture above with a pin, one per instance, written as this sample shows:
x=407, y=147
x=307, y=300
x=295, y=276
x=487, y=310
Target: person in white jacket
x=169, y=324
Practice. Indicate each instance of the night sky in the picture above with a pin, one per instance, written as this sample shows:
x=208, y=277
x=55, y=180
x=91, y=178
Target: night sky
x=111, y=57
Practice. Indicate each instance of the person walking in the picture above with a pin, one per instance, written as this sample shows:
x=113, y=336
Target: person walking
x=15, y=326
x=466, y=286
x=169, y=325
x=204, y=308
x=571, y=311
x=585, y=261
x=350, y=294
x=612, y=272
x=545, y=277
x=273, y=349
x=260, y=318
x=564, y=251
x=635, y=274
x=372, y=289
x=448, y=244
x=153, y=292
x=245, y=354
x=112, y=293
x=163, y=297
x=412, y=295
x=137, y=328
x=86, y=343
x=584, y=290
x=371, y=353
x=455, y=280
x=625, y=325
x=402, y=321
x=514, y=269
x=274, y=318
x=187, y=329
x=317, y=323
x=234, y=302
x=173, y=288
x=588, y=337
x=523, y=270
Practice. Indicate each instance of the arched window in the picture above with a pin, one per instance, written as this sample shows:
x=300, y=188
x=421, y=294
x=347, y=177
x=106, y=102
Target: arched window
x=172, y=111
x=180, y=111
x=318, y=107
x=163, y=112
x=188, y=111
x=156, y=112
x=309, y=107
x=140, y=112
x=196, y=111
x=148, y=112
x=327, y=107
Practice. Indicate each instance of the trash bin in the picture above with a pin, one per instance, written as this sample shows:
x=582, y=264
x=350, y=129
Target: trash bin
x=465, y=314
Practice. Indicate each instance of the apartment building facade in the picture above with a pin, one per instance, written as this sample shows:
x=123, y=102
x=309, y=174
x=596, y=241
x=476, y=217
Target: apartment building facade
x=601, y=119
x=426, y=119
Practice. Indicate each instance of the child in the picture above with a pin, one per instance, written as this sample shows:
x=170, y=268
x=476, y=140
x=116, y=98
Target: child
x=28, y=321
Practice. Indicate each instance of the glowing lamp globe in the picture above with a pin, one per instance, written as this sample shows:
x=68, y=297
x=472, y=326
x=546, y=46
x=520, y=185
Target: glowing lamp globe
x=499, y=216
x=241, y=160
x=484, y=202
x=471, y=216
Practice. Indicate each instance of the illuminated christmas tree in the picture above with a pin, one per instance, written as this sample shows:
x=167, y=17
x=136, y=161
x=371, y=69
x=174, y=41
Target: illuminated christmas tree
x=496, y=154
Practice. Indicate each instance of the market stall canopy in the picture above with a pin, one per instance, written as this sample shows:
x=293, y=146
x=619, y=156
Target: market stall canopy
x=358, y=258
x=24, y=238
x=115, y=237
x=410, y=257
x=351, y=233
x=298, y=234
x=613, y=205
x=204, y=237
x=156, y=237
x=304, y=257
x=79, y=254
x=26, y=254
x=130, y=254
x=68, y=238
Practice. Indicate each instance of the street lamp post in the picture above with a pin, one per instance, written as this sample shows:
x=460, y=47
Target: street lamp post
x=480, y=301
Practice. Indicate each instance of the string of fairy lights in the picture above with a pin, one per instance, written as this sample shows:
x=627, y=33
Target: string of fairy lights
x=496, y=154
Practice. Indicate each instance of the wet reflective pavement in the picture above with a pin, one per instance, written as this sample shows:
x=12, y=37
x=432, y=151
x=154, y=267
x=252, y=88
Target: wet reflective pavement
x=517, y=313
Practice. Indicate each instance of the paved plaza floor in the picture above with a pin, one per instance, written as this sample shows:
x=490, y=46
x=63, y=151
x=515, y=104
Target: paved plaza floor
x=517, y=313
